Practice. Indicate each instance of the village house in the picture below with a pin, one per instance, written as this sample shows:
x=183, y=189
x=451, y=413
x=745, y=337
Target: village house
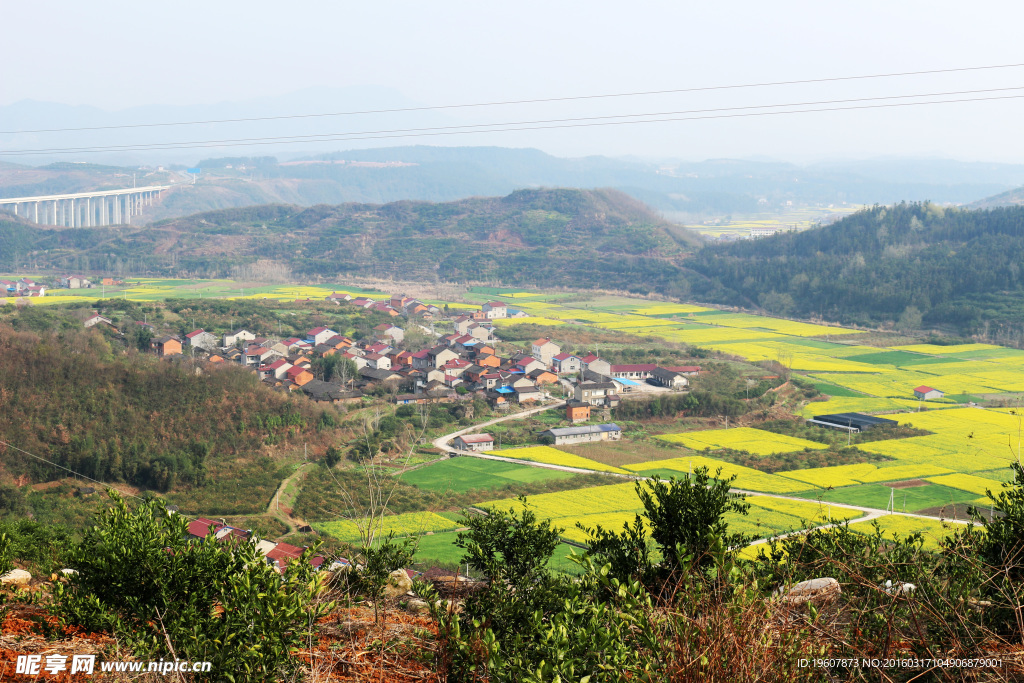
x=474, y=442
x=389, y=332
x=201, y=339
x=75, y=282
x=481, y=332
x=239, y=335
x=529, y=363
x=277, y=369
x=298, y=375
x=96, y=320
x=566, y=363
x=282, y=554
x=319, y=335
x=255, y=356
x=339, y=342
x=544, y=350
x=166, y=346
x=377, y=361
x=597, y=393
x=528, y=394
x=568, y=435
x=638, y=372
x=439, y=355
x=488, y=361
x=540, y=377
x=926, y=393
x=494, y=310
x=577, y=411
x=338, y=297
x=324, y=350
x=671, y=379
x=401, y=358
x=597, y=365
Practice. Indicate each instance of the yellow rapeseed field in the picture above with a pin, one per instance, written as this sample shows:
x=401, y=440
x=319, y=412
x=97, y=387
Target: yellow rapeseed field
x=967, y=482
x=748, y=439
x=407, y=524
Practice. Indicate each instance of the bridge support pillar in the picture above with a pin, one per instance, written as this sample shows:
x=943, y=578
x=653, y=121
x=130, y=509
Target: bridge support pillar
x=36, y=207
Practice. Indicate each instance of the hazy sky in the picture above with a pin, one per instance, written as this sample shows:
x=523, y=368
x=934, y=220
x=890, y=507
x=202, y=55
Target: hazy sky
x=116, y=55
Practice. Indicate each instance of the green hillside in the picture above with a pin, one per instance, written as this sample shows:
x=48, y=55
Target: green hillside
x=560, y=237
x=911, y=264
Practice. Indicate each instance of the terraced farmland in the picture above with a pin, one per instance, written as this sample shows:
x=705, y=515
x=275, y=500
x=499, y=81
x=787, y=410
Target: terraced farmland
x=553, y=456
x=612, y=506
x=756, y=441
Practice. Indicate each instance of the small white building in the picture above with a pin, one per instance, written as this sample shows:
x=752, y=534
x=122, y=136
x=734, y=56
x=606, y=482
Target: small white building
x=318, y=335
x=389, y=332
x=566, y=363
x=241, y=334
x=473, y=442
x=201, y=339
x=495, y=310
x=927, y=393
x=570, y=435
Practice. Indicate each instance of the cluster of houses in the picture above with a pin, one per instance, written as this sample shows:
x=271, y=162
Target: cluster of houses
x=23, y=287
x=278, y=554
x=599, y=384
x=395, y=306
x=28, y=287
x=465, y=361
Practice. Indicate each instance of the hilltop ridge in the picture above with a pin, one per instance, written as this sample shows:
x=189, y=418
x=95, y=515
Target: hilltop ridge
x=560, y=237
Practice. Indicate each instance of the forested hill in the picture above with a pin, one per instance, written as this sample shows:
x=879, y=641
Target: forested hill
x=542, y=237
x=909, y=263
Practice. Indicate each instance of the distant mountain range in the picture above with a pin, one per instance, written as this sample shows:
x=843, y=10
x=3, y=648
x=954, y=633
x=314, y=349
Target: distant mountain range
x=681, y=191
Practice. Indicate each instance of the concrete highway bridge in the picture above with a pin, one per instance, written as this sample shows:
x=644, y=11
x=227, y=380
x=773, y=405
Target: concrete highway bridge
x=85, y=209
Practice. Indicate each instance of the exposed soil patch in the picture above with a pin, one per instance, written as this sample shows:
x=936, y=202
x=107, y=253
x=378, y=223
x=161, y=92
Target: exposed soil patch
x=953, y=511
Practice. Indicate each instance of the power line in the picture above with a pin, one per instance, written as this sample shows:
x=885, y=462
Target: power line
x=472, y=126
x=499, y=127
x=572, y=98
x=77, y=474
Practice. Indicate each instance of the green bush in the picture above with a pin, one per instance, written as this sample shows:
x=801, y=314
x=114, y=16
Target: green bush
x=140, y=578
